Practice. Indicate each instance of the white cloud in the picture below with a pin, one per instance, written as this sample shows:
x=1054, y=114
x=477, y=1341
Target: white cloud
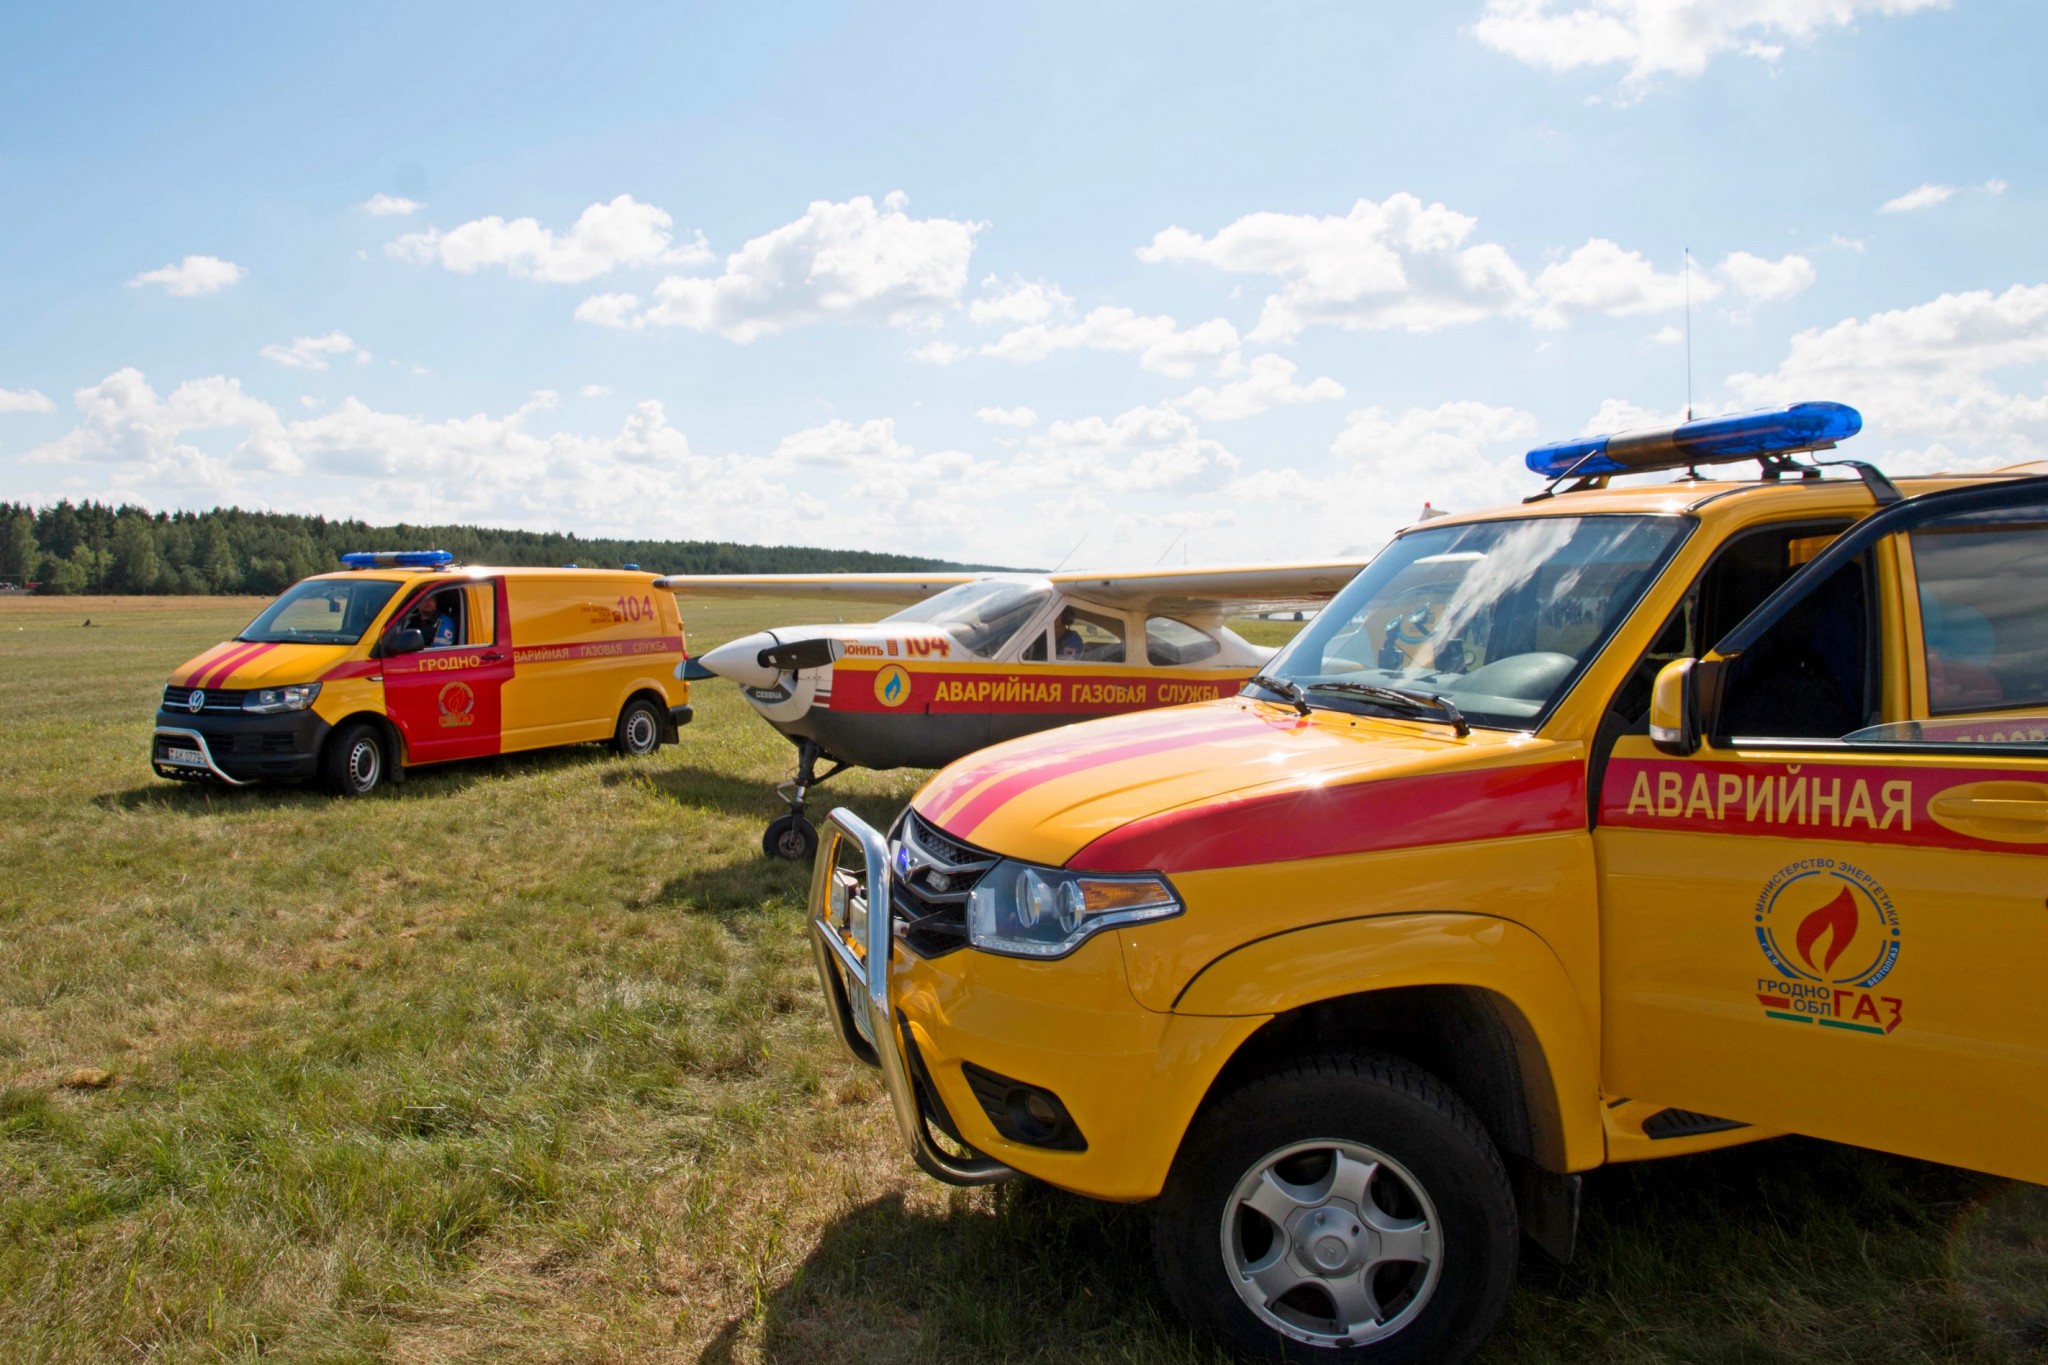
x=29, y=400
x=314, y=353
x=1928, y=372
x=1666, y=336
x=604, y=238
x=1404, y=265
x=1400, y=264
x=1021, y=302
x=1601, y=277
x=1756, y=278
x=390, y=206
x=1019, y=418
x=1160, y=343
x=1143, y=450
x=595, y=391
x=849, y=262
x=193, y=275
x=608, y=310
x=1925, y=197
x=357, y=460
x=1653, y=38
x=941, y=353
x=1997, y=186
x=1268, y=382
x=1457, y=456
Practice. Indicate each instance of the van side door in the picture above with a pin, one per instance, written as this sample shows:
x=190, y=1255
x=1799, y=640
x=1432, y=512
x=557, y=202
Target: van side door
x=447, y=701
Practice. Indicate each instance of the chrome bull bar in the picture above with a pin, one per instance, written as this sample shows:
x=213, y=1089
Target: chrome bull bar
x=845, y=905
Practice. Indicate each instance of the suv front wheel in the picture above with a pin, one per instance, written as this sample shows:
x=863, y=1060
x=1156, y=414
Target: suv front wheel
x=1341, y=1208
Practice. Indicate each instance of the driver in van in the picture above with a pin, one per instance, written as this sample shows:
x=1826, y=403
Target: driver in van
x=434, y=620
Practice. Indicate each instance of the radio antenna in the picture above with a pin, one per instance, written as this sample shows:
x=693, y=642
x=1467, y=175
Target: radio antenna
x=1169, y=548
x=1070, y=554
x=1688, y=334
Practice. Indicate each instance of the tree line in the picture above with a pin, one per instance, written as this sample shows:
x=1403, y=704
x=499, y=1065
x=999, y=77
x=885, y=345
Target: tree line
x=92, y=547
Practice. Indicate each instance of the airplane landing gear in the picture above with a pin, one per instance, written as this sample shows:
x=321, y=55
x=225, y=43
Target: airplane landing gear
x=792, y=836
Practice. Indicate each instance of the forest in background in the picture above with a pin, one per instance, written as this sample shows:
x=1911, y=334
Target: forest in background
x=69, y=548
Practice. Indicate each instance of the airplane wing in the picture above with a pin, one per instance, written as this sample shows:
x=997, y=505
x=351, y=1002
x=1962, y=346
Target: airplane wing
x=1240, y=590
x=867, y=587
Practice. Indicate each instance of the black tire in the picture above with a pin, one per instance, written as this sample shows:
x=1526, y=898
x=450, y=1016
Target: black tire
x=791, y=837
x=356, y=760
x=1316, y=1122
x=638, y=732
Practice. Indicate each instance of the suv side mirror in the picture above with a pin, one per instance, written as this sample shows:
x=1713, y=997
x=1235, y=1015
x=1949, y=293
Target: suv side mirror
x=1685, y=704
x=404, y=642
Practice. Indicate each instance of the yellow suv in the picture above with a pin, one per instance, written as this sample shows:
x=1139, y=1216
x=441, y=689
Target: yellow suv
x=1623, y=823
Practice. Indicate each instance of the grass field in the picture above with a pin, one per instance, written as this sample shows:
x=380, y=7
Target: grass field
x=522, y=1062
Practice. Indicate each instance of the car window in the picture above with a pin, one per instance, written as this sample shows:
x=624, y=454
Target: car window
x=1983, y=615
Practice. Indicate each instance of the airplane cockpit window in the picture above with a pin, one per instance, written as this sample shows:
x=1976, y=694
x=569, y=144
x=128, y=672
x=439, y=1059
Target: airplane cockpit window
x=1170, y=643
x=1495, y=617
x=1088, y=637
x=981, y=615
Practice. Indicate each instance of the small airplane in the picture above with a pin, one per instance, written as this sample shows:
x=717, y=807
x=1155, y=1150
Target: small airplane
x=976, y=658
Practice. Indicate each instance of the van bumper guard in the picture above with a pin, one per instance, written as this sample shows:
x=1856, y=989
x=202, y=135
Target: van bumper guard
x=188, y=739
x=850, y=906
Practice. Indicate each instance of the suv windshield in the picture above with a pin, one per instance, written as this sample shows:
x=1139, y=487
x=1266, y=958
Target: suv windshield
x=982, y=616
x=1495, y=617
x=321, y=611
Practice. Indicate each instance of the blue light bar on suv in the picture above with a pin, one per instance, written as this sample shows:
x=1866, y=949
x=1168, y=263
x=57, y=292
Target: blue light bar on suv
x=398, y=559
x=1710, y=440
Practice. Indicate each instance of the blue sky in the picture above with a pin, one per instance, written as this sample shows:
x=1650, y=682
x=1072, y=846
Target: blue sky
x=981, y=280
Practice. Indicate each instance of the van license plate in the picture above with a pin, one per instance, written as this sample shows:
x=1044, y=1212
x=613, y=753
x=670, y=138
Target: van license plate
x=190, y=758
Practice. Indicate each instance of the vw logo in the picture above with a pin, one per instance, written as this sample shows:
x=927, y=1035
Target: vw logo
x=196, y=702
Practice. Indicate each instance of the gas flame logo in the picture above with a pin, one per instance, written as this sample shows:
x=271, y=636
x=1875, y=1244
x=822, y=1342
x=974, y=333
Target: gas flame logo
x=1837, y=920
x=892, y=686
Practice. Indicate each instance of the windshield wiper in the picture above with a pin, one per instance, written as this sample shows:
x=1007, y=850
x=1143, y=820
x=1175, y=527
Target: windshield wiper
x=1286, y=687
x=1403, y=698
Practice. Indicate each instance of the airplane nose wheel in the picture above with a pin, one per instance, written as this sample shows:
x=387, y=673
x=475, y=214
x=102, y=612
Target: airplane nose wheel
x=792, y=836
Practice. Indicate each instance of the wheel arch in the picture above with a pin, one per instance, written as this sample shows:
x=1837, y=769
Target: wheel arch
x=394, y=740
x=1482, y=1003
x=652, y=691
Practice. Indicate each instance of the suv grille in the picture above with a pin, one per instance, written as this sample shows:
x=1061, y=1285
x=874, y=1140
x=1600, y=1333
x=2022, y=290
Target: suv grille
x=934, y=873
x=218, y=699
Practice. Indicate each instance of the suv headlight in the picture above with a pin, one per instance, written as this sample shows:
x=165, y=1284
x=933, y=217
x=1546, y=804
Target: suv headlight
x=270, y=700
x=1024, y=911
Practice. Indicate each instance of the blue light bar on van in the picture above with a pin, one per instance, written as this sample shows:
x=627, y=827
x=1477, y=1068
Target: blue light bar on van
x=1710, y=440
x=398, y=559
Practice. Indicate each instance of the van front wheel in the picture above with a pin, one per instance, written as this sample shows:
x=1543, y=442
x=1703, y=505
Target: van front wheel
x=639, y=729
x=1342, y=1208
x=354, y=762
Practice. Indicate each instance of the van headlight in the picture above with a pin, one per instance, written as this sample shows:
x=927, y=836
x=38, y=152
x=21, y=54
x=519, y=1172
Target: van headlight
x=267, y=701
x=1024, y=911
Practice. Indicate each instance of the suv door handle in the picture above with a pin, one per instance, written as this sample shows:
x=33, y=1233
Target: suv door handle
x=493, y=658
x=2007, y=812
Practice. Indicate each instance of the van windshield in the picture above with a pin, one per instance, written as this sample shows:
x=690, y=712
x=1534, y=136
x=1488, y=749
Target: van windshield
x=321, y=611
x=1497, y=618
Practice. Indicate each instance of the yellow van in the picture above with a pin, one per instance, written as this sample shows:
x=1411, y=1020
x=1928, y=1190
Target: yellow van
x=404, y=659
x=1622, y=823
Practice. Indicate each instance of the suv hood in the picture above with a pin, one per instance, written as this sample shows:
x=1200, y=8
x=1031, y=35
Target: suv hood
x=240, y=664
x=1236, y=782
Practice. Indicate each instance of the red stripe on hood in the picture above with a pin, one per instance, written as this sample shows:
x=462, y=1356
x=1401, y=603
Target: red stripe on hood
x=223, y=669
x=953, y=785
x=1324, y=822
x=1208, y=729
x=205, y=661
